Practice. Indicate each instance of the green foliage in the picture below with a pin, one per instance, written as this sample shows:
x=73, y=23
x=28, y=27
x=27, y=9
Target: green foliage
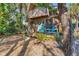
x=3, y=18
x=19, y=24
x=9, y=25
x=74, y=8
x=46, y=5
x=58, y=36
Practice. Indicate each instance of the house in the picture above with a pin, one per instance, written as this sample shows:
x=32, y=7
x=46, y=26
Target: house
x=38, y=16
x=39, y=19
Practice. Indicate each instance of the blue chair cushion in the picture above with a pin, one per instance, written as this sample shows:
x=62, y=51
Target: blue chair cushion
x=54, y=29
x=41, y=28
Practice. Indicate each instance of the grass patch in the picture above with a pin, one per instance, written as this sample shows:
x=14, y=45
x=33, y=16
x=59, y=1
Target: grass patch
x=43, y=37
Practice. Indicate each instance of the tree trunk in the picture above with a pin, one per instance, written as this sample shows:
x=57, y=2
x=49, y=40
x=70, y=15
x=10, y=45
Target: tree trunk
x=60, y=7
x=67, y=39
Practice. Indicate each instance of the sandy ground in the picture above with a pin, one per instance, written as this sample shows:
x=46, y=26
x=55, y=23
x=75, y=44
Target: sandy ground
x=16, y=46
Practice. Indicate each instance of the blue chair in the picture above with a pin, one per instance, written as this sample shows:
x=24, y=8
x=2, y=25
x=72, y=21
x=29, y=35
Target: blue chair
x=41, y=28
x=54, y=29
x=51, y=29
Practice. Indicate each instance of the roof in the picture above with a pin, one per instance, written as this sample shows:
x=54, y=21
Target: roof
x=38, y=13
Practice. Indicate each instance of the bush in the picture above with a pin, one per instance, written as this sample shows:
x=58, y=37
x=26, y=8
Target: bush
x=58, y=36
